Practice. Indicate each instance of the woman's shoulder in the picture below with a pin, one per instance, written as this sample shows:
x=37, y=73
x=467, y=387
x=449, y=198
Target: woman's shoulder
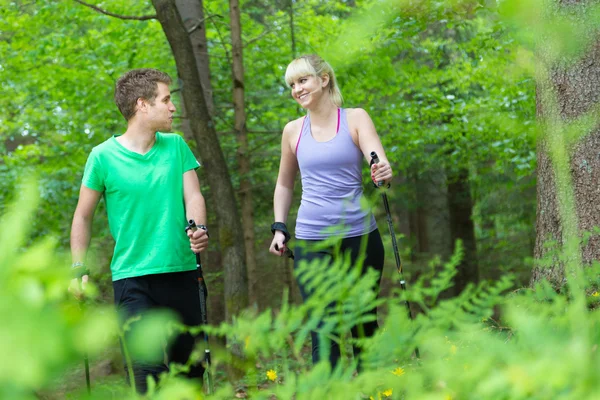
x=356, y=113
x=294, y=126
x=357, y=119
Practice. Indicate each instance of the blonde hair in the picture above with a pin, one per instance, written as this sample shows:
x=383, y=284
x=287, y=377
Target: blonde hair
x=314, y=65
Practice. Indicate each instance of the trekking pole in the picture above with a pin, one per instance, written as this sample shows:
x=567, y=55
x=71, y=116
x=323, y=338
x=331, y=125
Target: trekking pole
x=288, y=252
x=386, y=205
x=86, y=364
x=86, y=360
x=203, y=292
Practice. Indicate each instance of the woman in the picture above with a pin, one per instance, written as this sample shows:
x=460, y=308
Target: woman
x=328, y=146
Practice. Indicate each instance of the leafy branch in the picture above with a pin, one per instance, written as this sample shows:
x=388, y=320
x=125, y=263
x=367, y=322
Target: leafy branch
x=129, y=17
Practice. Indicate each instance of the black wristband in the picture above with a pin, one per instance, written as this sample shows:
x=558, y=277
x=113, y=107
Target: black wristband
x=204, y=228
x=280, y=226
x=192, y=225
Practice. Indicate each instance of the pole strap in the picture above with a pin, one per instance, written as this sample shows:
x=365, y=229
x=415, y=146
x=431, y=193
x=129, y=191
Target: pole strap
x=280, y=226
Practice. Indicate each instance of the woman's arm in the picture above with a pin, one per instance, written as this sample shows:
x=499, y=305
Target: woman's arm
x=284, y=188
x=367, y=140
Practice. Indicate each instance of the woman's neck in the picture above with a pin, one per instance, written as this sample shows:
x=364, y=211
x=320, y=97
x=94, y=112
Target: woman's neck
x=321, y=113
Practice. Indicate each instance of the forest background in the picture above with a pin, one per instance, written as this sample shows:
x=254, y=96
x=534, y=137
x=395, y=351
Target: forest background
x=450, y=86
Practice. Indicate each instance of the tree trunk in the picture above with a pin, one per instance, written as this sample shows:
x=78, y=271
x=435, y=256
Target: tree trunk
x=432, y=221
x=292, y=30
x=433, y=227
x=243, y=154
x=230, y=239
x=192, y=15
x=568, y=203
x=460, y=204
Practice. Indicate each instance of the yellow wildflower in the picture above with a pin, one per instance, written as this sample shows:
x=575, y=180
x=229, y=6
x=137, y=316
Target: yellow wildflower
x=271, y=374
x=448, y=397
x=246, y=342
x=453, y=349
x=398, y=371
x=387, y=393
x=595, y=294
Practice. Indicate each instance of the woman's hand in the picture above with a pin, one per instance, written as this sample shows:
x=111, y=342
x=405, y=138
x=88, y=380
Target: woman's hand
x=277, y=245
x=381, y=173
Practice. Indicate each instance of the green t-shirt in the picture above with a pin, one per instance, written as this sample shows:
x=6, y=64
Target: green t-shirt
x=145, y=204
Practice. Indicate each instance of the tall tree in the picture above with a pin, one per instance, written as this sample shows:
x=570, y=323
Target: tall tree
x=243, y=155
x=568, y=163
x=192, y=14
x=432, y=229
x=460, y=205
x=232, y=245
x=194, y=20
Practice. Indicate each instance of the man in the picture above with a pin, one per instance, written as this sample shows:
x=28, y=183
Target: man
x=151, y=190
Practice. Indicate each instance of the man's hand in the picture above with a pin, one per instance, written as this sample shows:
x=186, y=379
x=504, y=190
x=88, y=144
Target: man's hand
x=198, y=239
x=77, y=287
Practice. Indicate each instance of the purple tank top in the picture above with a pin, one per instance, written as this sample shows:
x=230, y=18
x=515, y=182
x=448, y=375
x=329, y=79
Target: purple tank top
x=331, y=185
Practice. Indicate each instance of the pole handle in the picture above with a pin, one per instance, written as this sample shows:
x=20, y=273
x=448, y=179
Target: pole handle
x=191, y=225
x=375, y=160
x=288, y=252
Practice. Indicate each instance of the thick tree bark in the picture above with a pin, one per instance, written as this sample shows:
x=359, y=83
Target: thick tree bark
x=230, y=239
x=576, y=88
x=192, y=15
x=243, y=155
x=433, y=219
x=460, y=205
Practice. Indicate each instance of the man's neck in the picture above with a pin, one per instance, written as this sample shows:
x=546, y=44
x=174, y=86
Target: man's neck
x=138, y=139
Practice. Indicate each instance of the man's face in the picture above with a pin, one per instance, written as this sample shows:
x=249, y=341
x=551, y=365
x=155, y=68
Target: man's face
x=161, y=113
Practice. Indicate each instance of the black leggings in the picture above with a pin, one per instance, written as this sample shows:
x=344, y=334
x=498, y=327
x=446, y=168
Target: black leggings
x=176, y=291
x=373, y=259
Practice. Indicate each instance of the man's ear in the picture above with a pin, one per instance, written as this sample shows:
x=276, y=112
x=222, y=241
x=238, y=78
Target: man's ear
x=140, y=105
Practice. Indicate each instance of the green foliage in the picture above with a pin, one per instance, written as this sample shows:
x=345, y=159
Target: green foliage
x=447, y=85
x=44, y=329
x=545, y=348
x=538, y=354
x=60, y=61
x=443, y=82
x=564, y=31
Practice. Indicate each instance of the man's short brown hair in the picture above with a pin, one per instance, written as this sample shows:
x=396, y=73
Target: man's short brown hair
x=135, y=84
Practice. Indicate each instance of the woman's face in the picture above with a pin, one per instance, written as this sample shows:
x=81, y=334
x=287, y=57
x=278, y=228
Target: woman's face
x=307, y=90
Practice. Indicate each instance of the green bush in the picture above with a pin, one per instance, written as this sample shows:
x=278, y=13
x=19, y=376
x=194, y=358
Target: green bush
x=545, y=347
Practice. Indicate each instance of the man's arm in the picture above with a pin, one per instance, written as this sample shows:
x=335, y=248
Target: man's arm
x=81, y=228
x=195, y=208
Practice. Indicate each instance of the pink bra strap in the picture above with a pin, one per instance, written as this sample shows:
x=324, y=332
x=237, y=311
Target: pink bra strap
x=300, y=135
